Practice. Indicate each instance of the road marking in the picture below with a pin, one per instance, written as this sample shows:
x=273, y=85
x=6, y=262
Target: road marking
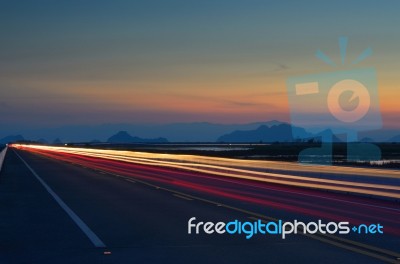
x=183, y=197
x=305, y=194
x=354, y=249
x=327, y=198
x=129, y=180
x=78, y=221
x=378, y=253
x=354, y=246
x=346, y=244
x=2, y=156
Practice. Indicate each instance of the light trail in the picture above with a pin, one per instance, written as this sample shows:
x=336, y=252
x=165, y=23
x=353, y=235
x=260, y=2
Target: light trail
x=304, y=201
x=250, y=170
x=221, y=183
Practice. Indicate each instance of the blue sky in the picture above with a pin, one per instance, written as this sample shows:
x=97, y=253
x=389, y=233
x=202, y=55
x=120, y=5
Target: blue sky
x=93, y=62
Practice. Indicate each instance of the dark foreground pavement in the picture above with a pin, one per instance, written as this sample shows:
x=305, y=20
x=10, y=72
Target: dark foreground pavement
x=137, y=223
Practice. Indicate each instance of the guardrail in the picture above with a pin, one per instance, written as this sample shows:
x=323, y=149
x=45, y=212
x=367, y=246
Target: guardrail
x=2, y=155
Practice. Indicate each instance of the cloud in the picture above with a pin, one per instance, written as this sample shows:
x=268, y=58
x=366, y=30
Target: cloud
x=280, y=67
x=245, y=102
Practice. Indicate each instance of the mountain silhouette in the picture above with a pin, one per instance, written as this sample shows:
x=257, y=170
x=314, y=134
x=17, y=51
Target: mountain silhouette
x=11, y=139
x=57, y=141
x=123, y=137
x=281, y=133
x=367, y=140
x=395, y=139
x=321, y=136
x=174, y=132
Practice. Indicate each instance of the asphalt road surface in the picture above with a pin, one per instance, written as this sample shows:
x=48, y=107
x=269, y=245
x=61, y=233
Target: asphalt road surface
x=87, y=211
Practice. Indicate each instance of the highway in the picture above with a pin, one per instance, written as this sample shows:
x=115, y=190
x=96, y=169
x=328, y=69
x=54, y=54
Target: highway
x=60, y=207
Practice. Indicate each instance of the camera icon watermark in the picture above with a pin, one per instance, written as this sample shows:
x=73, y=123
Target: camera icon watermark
x=332, y=104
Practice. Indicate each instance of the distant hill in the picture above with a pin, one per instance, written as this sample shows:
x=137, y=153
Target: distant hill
x=281, y=133
x=42, y=141
x=10, y=139
x=124, y=137
x=367, y=140
x=275, y=133
x=328, y=132
x=395, y=139
x=174, y=132
x=380, y=135
x=57, y=141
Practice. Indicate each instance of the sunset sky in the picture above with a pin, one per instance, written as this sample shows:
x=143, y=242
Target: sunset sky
x=94, y=62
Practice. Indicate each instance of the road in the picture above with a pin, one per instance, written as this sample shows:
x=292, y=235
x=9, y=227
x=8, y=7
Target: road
x=140, y=214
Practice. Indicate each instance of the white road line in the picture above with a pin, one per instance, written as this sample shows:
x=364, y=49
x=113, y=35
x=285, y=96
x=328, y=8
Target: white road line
x=2, y=156
x=129, y=180
x=78, y=221
x=183, y=197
